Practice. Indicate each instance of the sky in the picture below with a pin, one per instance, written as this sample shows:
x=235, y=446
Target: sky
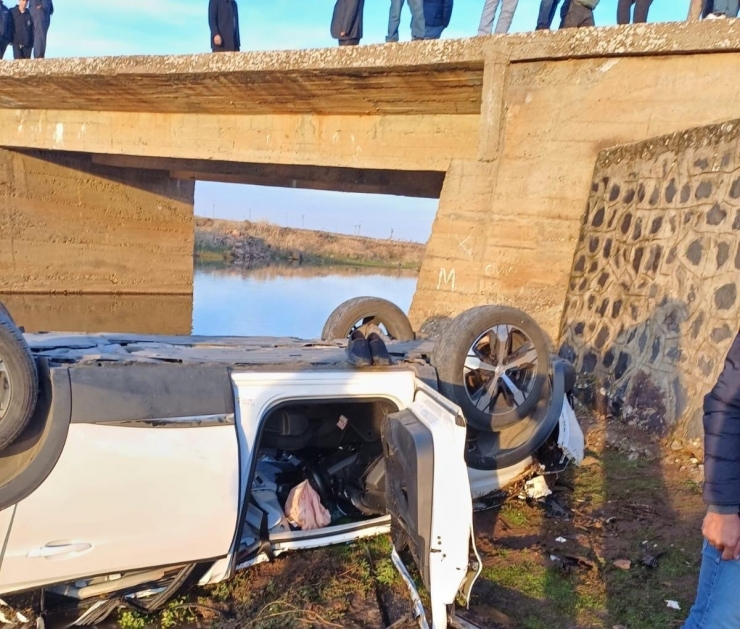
x=154, y=27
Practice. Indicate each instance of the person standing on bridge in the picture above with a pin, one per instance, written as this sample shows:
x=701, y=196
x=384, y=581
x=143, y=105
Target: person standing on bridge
x=437, y=15
x=548, y=9
x=721, y=9
x=624, y=11
x=6, y=28
x=41, y=12
x=504, y=19
x=23, y=26
x=580, y=13
x=418, y=26
x=223, y=19
x=346, y=23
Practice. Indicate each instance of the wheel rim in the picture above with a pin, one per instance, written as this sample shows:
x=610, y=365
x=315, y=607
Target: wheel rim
x=500, y=370
x=6, y=388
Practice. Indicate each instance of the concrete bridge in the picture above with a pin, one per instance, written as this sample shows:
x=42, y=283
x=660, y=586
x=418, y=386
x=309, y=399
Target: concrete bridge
x=99, y=155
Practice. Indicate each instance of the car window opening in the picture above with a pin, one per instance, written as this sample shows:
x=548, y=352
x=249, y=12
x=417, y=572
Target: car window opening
x=320, y=467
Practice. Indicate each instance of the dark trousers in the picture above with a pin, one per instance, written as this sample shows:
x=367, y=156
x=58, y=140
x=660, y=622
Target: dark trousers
x=624, y=9
x=548, y=9
x=39, y=41
x=22, y=52
x=3, y=47
x=578, y=16
x=349, y=42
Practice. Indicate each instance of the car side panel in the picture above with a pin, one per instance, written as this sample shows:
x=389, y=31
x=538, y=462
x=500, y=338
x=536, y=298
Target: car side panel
x=125, y=498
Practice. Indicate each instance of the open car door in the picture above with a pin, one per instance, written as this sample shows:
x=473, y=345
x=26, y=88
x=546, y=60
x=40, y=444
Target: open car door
x=428, y=497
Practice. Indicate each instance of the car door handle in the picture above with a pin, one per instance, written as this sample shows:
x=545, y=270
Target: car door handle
x=59, y=549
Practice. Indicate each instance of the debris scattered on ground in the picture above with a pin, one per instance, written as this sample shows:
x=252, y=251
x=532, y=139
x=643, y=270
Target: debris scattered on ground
x=560, y=540
x=673, y=605
x=555, y=510
x=537, y=488
x=623, y=564
x=20, y=617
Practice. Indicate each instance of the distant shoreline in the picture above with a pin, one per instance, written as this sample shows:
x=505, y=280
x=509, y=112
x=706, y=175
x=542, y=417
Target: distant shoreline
x=253, y=244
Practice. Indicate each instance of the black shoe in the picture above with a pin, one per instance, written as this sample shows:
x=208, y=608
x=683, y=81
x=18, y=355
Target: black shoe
x=378, y=350
x=358, y=350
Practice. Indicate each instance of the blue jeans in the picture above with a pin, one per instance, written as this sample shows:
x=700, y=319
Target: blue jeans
x=726, y=7
x=504, y=19
x=548, y=9
x=717, y=604
x=433, y=32
x=418, y=27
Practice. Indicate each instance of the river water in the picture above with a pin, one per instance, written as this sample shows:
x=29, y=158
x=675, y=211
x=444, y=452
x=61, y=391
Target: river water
x=271, y=301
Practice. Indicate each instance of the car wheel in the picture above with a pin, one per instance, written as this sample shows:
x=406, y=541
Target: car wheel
x=4, y=312
x=492, y=361
x=19, y=382
x=362, y=312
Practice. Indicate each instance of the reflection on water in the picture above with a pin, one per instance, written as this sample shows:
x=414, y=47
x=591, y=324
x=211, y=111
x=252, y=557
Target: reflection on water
x=288, y=301
x=275, y=301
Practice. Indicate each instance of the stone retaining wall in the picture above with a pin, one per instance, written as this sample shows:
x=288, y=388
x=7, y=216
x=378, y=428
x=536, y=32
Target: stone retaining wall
x=653, y=301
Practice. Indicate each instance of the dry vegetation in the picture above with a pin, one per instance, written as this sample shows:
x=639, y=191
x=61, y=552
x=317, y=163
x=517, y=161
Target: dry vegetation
x=257, y=244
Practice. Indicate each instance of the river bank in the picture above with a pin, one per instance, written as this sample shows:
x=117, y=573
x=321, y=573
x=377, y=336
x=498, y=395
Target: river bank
x=253, y=244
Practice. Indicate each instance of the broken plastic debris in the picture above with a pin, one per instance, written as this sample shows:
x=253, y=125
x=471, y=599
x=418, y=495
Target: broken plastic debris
x=342, y=423
x=3, y=603
x=673, y=605
x=623, y=564
x=560, y=540
x=537, y=488
x=21, y=617
x=4, y=620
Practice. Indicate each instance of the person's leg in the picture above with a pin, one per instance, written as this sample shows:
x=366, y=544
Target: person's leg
x=544, y=17
x=508, y=7
x=716, y=596
x=394, y=20
x=733, y=8
x=3, y=48
x=39, y=43
x=349, y=42
x=17, y=54
x=487, y=17
x=624, y=11
x=641, y=11
x=720, y=7
x=564, y=11
x=26, y=52
x=434, y=32
x=418, y=25
x=578, y=16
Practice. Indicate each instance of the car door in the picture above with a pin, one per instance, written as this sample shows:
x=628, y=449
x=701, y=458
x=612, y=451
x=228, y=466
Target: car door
x=429, y=499
x=146, y=479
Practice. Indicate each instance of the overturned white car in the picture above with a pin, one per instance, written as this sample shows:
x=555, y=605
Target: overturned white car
x=133, y=467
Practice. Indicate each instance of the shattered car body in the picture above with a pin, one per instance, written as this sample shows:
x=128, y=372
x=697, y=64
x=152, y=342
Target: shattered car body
x=151, y=464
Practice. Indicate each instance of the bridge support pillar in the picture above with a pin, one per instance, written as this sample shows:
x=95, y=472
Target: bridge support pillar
x=69, y=225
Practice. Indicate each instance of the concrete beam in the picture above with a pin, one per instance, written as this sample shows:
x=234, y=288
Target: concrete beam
x=359, y=142
x=425, y=184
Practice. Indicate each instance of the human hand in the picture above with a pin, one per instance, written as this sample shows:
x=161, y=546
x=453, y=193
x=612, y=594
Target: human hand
x=723, y=532
x=217, y=40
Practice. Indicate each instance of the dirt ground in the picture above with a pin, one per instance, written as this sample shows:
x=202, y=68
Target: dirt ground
x=545, y=565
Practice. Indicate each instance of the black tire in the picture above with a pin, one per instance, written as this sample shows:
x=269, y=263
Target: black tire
x=465, y=341
x=5, y=312
x=368, y=310
x=19, y=382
